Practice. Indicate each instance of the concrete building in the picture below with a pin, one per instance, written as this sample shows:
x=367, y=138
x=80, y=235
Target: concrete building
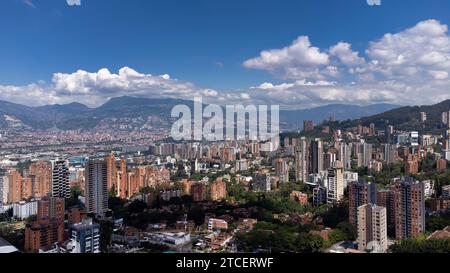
x=42, y=234
x=85, y=237
x=335, y=188
x=23, y=210
x=217, y=224
x=96, y=190
x=198, y=192
x=372, y=228
x=51, y=208
x=446, y=191
x=409, y=205
x=316, y=156
x=360, y=193
x=218, y=190
x=60, y=179
x=319, y=196
x=302, y=160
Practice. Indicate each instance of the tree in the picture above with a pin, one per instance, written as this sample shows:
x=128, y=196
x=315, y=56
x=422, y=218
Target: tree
x=337, y=236
x=348, y=230
x=422, y=245
x=306, y=243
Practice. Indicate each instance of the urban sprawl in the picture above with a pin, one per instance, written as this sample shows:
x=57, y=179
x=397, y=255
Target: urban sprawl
x=363, y=189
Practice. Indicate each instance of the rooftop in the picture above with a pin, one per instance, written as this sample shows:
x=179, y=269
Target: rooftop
x=6, y=247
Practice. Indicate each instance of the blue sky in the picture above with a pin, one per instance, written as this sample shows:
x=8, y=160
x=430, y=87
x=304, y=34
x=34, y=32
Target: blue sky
x=201, y=43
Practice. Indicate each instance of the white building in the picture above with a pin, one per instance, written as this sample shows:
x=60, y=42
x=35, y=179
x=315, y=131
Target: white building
x=428, y=188
x=23, y=210
x=168, y=238
x=318, y=179
x=335, y=189
x=1, y=190
x=85, y=237
x=446, y=191
x=446, y=155
x=349, y=177
x=414, y=138
x=4, y=189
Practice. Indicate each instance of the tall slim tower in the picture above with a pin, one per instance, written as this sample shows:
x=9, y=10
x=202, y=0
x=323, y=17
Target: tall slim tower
x=316, y=156
x=367, y=154
x=301, y=160
x=122, y=179
x=111, y=171
x=96, y=173
x=60, y=179
x=335, y=189
x=409, y=206
x=15, y=187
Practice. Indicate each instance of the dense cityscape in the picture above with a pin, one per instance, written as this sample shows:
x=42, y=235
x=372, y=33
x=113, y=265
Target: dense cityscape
x=224, y=136
x=353, y=190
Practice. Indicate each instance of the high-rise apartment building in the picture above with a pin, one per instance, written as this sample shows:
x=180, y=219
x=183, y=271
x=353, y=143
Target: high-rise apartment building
x=122, y=179
x=218, y=190
x=423, y=117
x=360, y=193
x=372, y=228
x=15, y=186
x=446, y=118
x=42, y=234
x=319, y=196
x=60, y=179
x=282, y=169
x=51, y=208
x=302, y=160
x=1, y=190
x=111, y=172
x=409, y=206
x=367, y=154
x=96, y=189
x=385, y=198
x=335, y=189
x=316, y=156
x=40, y=174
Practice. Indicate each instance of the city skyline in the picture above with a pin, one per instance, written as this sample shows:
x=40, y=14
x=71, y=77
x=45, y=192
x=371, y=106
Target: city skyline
x=230, y=127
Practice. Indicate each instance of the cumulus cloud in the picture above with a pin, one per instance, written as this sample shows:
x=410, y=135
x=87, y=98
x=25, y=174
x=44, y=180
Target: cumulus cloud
x=408, y=67
x=419, y=53
x=411, y=66
x=344, y=53
x=73, y=2
x=300, y=59
x=94, y=88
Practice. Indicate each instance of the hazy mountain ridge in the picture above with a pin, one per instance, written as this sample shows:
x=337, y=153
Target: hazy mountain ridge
x=79, y=116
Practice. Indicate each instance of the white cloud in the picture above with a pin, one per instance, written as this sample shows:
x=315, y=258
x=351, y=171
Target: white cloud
x=345, y=54
x=73, y=2
x=300, y=59
x=408, y=67
x=94, y=88
x=411, y=66
x=417, y=54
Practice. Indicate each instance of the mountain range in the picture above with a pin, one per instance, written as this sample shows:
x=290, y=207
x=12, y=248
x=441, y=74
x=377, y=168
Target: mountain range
x=121, y=109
